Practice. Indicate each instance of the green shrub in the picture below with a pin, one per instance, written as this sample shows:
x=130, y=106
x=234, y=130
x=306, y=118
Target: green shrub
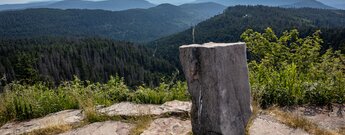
x=161, y=94
x=113, y=91
x=290, y=70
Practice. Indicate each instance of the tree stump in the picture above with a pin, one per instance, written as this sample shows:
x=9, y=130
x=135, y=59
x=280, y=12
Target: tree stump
x=217, y=77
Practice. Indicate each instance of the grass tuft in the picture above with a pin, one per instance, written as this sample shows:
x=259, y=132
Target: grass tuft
x=142, y=123
x=51, y=130
x=255, y=112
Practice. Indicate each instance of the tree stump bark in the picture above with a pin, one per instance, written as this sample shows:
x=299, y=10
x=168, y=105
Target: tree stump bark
x=217, y=77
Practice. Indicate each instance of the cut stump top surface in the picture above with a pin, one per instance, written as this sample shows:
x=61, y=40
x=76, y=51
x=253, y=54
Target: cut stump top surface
x=211, y=45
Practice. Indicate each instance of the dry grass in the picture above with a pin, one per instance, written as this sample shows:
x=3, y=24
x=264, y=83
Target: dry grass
x=299, y=122
x=255, y=111
x=92, y=116
x=341, y=131
x=51, y=130
x=142, y=123
x=291, y=121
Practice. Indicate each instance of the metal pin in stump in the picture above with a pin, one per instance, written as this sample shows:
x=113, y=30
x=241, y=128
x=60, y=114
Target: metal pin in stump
x=217, y=77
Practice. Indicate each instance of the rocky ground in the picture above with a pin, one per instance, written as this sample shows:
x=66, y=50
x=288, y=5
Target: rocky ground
x=172, y=118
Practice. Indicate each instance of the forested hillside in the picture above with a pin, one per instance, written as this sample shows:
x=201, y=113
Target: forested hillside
x=63, y=55
x=138, y=25
x=228, y=27
x=54, y=60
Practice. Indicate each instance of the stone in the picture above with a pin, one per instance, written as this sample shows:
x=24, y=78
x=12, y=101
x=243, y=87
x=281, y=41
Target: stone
x=132, y=109
x=268, y=125
x=67, y=117
x=217, y=77
x=103, y=128
x=169, y=126
x=177, y=107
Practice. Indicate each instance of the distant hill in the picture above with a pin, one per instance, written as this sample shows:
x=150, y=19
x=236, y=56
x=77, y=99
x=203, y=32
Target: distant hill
x=208, y=9
x=139, y=25
x=228, y=27
x=281, y=3
x=23, y=6
x=251, y=2
x=342, y=6
x=113, y=5
x=308, y=3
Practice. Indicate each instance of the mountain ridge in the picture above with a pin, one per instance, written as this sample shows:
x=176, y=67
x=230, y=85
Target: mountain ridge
x=119, y=5
x=340, y=4
x=111, y=5
x=279, y=3
x=308, y=4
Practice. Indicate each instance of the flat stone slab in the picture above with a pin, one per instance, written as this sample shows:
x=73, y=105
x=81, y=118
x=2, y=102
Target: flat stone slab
x=331, y=117
x=262, y=125
x=169, y=126
x=66, y=117
x=268, y=125
x=103, y=128
x=69, y=117
x=132, y=109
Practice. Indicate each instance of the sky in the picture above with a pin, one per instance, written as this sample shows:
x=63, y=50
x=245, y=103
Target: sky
x=16, y=1
x=153, y=1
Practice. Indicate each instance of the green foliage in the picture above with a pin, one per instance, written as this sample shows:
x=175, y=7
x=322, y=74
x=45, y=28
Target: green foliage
x=290, y=70
x=115, y=90
x=21, y=102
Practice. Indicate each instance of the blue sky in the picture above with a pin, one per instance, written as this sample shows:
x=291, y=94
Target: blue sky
x=153, y=1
